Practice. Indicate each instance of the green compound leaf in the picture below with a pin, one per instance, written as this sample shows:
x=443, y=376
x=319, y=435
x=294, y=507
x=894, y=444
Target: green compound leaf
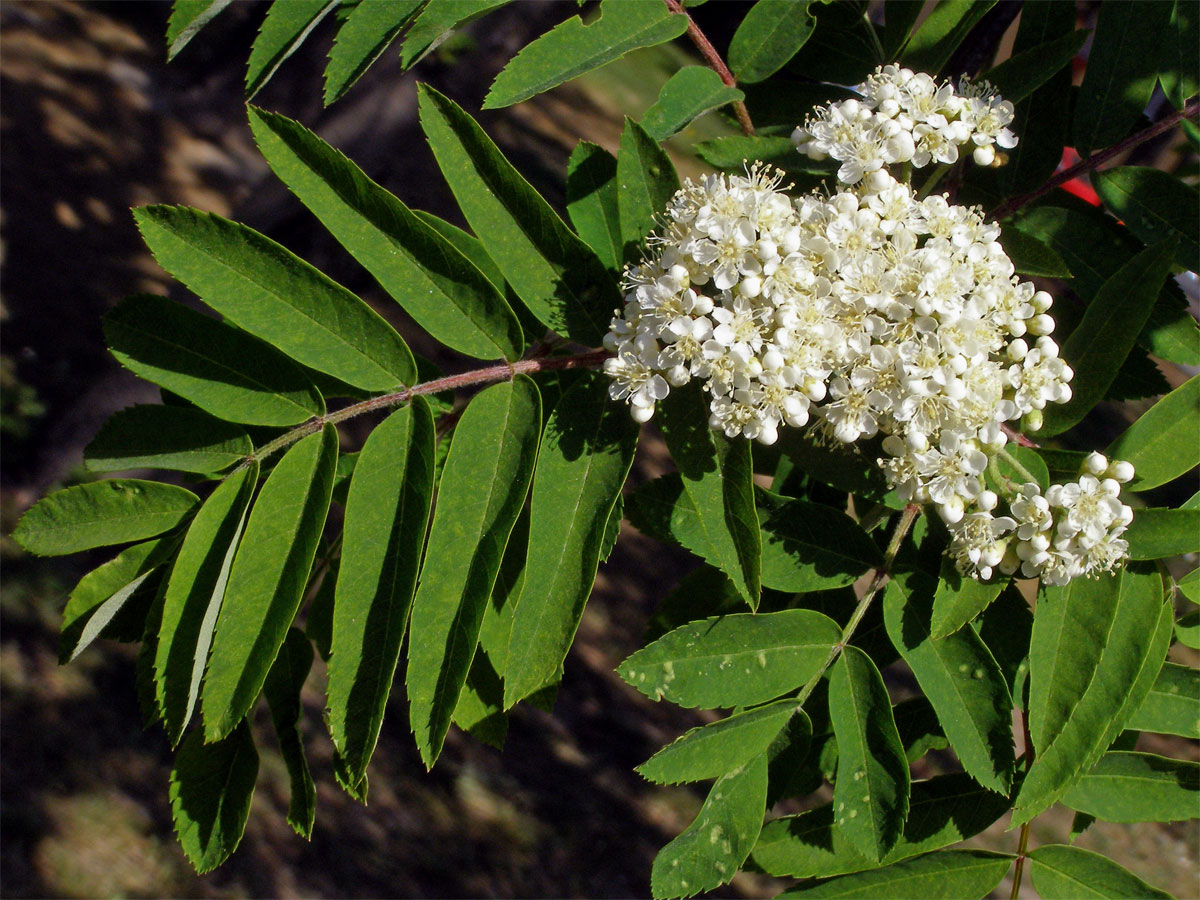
x=1157, y=533
x=1020, y=75
x=270, y=292
x=193, y=598
x=770, y=35
x=687, y=95
x=220, y=369
x=1121, y=72
x=959, y=676
x=735, y=150
x=1094, y=246
x=1164, y=442
x=282, y=689
x=586, y=453
x=1155, y=206
x=364, y=36
x=437, y=21
x=287, y=25
x=1172, y=705
x=1102, y=340
x=1179, y=62
x=387, y=511
x=1093, y=658
x=434, y=283
x=481, y=493
x=736, y=660
x=187, y=18
x=1072, y=873
x=959, y=599
x=211, y=787
x=572, y=48
x=810, y=547
x=592, y=201
x=1031, y=256
x=948, y=874
x=267, y=580
x=102, y=593
x=712, y=750
x=102, y=513
x=646, y=181
x=558, y=277
x=871, y=792
x=710, y=851
x=935, y=41
x=1138, y=787
x=717, y=478
x=166, y=437
x=942, y=811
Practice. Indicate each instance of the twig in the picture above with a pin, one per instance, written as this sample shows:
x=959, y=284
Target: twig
x=1004, y=210
x=713, y=58
x=588, y=360
x=881, y=576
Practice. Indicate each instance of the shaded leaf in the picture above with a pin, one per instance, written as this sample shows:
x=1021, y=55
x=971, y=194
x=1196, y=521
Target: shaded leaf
x=556, y=275
x=808, y=546
x=1022, y=74
x=166, y=437
x=1033, y=257
x=364, y=36
x=949, y=874
x=942, y=811
x=387, y=511
x=710, y=851
x=688, y=94
x=735, y=660
x=211, y=787
x=101, y=513
x=772, y=32
x=919, y=729
x=220, y=369
x=1172, y=705
x=1102, y=340
x=1138, y=787
x=592, y=201
x=1156, y=533
x=1154, y=205
x=1179, y=62
x=1093, y=659
x=434, y=283
x=187, y=18
x=960, y=678
x=936, y=39
x=1121, y=72
x=572, y=48
x=282, y=689
x=1071, y=873
x=481, y=492
x=268, y=577
x=1163, y=443
x=437, y=21
x=586, y=452
x=871, y=792
x=287, y=25
x=102, y=593
x=276, y=296
x=712, y=750
x=193, y=598
x=646, y=181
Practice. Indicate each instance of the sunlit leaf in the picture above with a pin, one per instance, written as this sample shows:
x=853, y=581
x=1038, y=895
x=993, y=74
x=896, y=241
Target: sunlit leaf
x=646, y=181
x=1172, y=706
x=1072, y=873
x=772, y=32
x=1164, y=442
x=936, y=39
x=364, y=36
x=1138, y=787
x=287, y=25
x=187, y=18
x=688, y=94
x=592, y=201
x=946, y=875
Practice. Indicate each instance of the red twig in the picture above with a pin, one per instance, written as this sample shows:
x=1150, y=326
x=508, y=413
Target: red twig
x=1004, y=210
x=713, y=58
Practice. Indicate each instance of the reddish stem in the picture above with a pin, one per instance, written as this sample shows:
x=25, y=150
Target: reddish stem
x=1004, y=210
x=713, y=58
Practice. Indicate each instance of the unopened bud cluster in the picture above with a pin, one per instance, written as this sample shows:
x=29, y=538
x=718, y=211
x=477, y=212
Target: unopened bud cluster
x=906, y=117
x=869, y=312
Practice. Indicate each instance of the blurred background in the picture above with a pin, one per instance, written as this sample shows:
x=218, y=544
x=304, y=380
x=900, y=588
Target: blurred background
x=94, y=121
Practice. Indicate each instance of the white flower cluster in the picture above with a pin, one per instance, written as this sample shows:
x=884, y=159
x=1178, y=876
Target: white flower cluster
x=907, y=117
x=1072, y=530
x=870, y=312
